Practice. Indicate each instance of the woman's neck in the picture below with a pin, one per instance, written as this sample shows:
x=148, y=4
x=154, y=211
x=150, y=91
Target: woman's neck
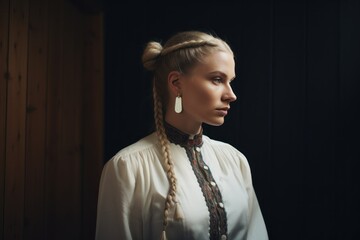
x=180, y=122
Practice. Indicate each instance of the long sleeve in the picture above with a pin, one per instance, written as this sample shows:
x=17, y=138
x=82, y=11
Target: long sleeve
x=256, y=225
x=257, y=229
x=116, y=193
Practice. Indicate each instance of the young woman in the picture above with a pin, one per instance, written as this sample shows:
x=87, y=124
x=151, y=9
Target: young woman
x=177, y=183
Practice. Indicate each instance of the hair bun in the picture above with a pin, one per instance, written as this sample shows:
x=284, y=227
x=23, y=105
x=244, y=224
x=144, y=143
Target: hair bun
x=151, y=53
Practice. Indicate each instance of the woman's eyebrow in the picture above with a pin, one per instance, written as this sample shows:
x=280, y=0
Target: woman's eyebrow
x=223, y=74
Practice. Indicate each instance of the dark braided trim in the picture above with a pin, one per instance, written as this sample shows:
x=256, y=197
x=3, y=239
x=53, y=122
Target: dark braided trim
x=212, y=195
x=178, y=137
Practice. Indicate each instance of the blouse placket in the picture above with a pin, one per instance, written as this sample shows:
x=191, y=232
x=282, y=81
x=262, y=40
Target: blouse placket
x=209, y=188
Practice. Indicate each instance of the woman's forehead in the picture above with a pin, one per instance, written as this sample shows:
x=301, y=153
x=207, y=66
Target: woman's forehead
x=219, y=61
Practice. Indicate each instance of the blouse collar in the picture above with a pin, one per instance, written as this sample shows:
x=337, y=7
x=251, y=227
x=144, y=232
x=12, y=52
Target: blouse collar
x=183, y=139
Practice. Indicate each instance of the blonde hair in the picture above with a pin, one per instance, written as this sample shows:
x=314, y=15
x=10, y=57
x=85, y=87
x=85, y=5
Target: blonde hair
x=180, y=53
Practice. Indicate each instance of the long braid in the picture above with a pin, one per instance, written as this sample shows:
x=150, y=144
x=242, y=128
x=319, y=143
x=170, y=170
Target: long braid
x=169, y=167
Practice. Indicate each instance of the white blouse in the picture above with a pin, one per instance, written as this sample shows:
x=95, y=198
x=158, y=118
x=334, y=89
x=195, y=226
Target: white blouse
x=134, y=186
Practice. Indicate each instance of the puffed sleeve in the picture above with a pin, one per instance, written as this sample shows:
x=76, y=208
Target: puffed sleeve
x=116, y=192
x=256, y=225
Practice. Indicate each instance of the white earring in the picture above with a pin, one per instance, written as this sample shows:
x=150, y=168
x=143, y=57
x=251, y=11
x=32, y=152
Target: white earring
x=178, y=104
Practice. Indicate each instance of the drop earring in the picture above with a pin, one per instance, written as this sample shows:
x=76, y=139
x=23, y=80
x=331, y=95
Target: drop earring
x=178, y=104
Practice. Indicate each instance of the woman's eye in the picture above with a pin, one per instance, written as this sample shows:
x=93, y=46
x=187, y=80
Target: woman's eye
x=217, y=80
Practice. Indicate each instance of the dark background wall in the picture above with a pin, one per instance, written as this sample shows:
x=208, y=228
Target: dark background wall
x=297, y=114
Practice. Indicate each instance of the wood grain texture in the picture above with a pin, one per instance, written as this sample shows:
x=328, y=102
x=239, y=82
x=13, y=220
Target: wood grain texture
x=55, y=115
x=34, y=213
x=16, y=120
x=4, y=48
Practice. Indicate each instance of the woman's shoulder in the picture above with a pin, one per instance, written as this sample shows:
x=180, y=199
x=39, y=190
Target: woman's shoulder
x=226, y=152
x=130, y=161
x=143, y=144
x=221, y=145
x=229, y=155
x=139, y=149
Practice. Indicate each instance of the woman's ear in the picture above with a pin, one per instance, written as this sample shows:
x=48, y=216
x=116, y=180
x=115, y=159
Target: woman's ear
x=174, y=82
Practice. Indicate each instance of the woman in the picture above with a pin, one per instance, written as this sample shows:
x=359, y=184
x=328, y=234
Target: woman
x=178, y=183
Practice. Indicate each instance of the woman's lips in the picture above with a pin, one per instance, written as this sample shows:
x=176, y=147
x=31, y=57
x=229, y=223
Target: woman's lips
x=222, y=111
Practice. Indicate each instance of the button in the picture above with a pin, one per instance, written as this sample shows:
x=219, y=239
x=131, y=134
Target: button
x=223, y=237
x=221, y=204
x=206, y=167
x=197, y=149
x=213, y=183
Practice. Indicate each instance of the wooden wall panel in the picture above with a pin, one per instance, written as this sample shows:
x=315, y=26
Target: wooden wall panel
x=66, y=216
x=4, y=37
x=54, y=137
x=16, y=121
x=45, y=184
x=36, y=121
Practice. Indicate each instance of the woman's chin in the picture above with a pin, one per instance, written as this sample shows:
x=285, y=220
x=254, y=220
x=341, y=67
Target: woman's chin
x=216, y=122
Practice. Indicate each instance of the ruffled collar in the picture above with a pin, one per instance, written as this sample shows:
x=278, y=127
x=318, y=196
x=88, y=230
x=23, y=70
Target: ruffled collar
x=183, y=139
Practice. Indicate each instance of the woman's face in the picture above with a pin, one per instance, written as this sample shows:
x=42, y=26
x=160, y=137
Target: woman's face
x=206, y=89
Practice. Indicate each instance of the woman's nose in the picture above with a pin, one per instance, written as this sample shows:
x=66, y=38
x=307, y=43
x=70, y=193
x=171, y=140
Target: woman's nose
x=229, y=95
